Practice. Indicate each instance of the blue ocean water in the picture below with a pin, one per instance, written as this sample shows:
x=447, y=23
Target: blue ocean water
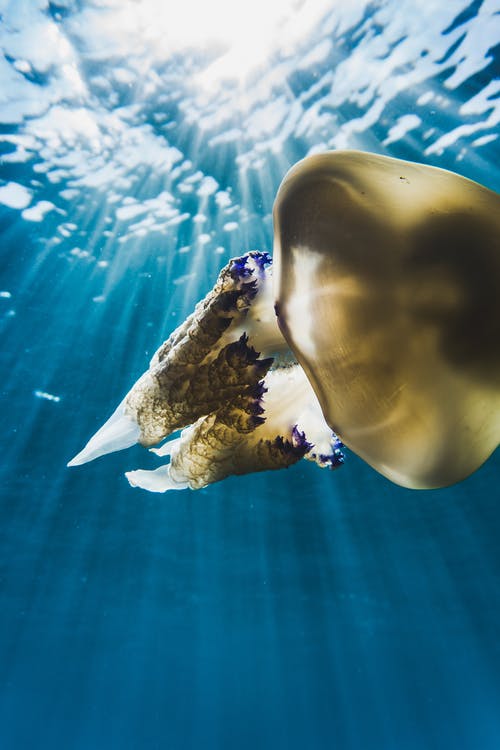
x=141, y=146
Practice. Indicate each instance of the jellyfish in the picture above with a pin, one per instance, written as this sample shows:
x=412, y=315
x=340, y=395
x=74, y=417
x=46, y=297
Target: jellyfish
x=376, y=326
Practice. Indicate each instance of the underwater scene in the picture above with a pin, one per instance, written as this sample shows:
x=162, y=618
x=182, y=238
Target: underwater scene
x=311, y=560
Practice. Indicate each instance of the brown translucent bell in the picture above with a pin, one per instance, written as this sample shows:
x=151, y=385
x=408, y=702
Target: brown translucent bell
x=387, y=288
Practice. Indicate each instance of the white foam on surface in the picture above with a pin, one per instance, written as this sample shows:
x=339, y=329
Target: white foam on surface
x=208, y=186
x=15, y=195
x=38, y=211
x=404, y=125
x=74, y=131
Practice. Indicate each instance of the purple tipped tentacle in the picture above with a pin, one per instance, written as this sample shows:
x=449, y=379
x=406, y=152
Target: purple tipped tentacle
x=337, y=457
x=262, y=259
x=257, y=390
x=241, y=272
x=299, y=439
x=238, y=268
x=297, y=447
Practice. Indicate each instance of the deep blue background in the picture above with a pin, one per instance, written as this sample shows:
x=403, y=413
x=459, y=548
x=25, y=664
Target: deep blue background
x=298, y=609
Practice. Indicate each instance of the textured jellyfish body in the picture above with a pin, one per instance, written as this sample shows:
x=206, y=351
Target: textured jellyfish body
x=226, y=378
x=387, y=285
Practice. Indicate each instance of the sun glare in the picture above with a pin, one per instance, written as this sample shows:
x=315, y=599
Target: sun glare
x=240, y=37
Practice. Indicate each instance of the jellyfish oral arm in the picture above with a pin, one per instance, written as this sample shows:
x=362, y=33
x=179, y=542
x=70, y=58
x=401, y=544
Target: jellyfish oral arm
x=227, y=378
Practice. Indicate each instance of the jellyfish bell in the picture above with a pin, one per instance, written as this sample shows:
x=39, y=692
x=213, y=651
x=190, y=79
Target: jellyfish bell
x=387, y=289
